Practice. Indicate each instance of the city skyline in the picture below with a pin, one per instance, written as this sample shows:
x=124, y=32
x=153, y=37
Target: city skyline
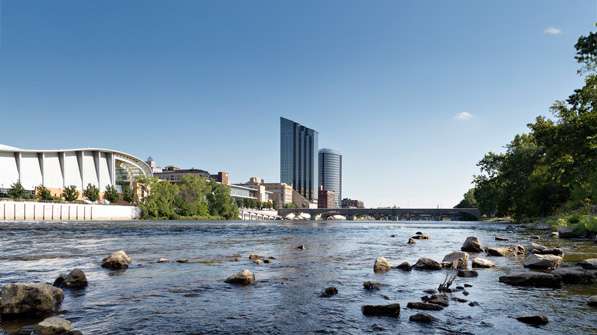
x=413, y=94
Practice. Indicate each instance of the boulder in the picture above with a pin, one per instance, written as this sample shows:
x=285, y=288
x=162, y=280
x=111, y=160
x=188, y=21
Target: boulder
x=404, y=266
x=456, y=259
x=301, y=247
x=381, y=310
x=468, y=285
x=381, y=265
x=117, y=261
x=592, y=301
x=411, y=241
x=471, y=244
x=575, y=275
x=424, y=306
x=534, y=320
x=420, y=237
x=473, y=303
x=543, y=250
x=371, y=285
x=245, y=277
x=422, y=318
x=479, y=262
x=498, y=252
x=589, y=264
x=461, y=300
x=75, y=279
x=30, y=299
x=499, y=238
x=518, y=250
x=255, y=257
x=328, y=292
x=182, y=260
x=437, y=299
x=427, y=264
x=54, y=326
x=163, y=260
x=467, y=273
x=532, y=279
x=565, y=232
x=542, y=262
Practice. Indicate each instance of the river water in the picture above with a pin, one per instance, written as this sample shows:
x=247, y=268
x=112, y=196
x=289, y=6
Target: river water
x=192, y=298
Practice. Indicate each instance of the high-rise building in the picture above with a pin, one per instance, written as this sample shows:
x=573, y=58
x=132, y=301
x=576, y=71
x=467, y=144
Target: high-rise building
x=330, y=173
x=298, y=158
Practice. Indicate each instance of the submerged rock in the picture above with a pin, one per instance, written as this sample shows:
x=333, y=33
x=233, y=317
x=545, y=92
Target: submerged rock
x=30, y=299
x=301, y=247
x=589, y=264
x=543, y=250
x=532, y=279
x=534, y=320
x=456, y=259
x=499, y=238
x=424, y=306
x=420, y=237
x=437, y=299
x=381, y=265
x=471, y=244
x=54, y=326
x=117, y=261
x=411, y=241
x=75, y=279
x=427, y=264
x=498, y=252
x=467, y=273
x=381, y=310
x=371, y=285
x=404, y=266
x=422, y=318
x=328, y=292
x=592, y=301
x=479, y=262
x=542, y=262
x=575, y=275
x=245, y=277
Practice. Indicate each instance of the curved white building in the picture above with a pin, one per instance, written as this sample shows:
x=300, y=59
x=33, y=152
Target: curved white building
x=57, y=169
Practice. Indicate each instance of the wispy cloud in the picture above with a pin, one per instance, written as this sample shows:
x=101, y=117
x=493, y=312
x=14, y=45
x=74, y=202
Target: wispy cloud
x=463, y=116
x=552, y=31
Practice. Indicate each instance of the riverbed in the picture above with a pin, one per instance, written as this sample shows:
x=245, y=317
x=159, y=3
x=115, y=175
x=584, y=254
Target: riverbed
x=192, y=298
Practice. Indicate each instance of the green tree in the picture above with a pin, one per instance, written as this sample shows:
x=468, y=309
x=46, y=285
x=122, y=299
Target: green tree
x=17, y=191
x=221, y=203
x=191, y=199
x=128, y=195
x=468, y=200
x=160, y=203
x=43, y=194
x=91, y=192
x=70, y=193
x=111, y=194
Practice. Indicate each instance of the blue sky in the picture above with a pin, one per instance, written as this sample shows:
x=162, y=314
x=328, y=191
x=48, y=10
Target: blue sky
x=413, y=93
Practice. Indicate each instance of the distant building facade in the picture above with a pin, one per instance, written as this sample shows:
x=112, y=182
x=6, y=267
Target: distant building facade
x=174, y=174
x=298, y=158
x=350, y=203
x=326, y=199
x=330, y=174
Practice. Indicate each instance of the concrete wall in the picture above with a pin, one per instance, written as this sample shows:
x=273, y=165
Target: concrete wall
x=40, y=211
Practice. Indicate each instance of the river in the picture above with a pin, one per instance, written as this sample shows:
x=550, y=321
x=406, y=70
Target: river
x=192, y=298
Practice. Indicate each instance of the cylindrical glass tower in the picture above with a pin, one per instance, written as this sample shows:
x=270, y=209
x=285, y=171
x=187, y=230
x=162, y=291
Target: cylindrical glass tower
x=330, y=172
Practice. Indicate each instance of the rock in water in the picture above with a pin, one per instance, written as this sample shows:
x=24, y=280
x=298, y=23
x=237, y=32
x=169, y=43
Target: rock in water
x=30, y=299
x=163, y=260
x=592, y=301
x=535, y=320
x=371, y=285
x=76, y=279
x=437, y=299
x=532, y=279
x=499, y=238
x=404, y=266
x=245, y=277
x=575, y=275
x=328, y=292
x=420, y=237
x=381, y=265
x=117, y=261
x=54, y=326
x=565, y=232
x=427, y=264
x=479, y=262
x=424, y=306
x=456, y=259
x=589, y=264
x=422, y=318
x=542, y=262
x=411, y=241
x=381, y=310
x=471, y=244
x=518, y=250
x=467, y=274
x=498, y=252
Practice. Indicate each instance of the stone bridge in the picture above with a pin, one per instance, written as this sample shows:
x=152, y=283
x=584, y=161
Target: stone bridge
x=455, y=214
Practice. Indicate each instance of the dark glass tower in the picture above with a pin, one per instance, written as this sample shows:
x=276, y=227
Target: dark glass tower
x=298, y=158
x=330, y=172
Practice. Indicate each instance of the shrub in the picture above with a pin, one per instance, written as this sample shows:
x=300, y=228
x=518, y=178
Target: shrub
x=43, y=194
x=91, y=192
x=70, y=193
x=17, y=191
x=111, y=194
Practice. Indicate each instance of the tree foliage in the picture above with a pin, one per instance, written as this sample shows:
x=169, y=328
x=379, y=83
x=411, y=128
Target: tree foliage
x=43, y=194
x=17, y=191
x=70, y=193
x=91, y=192
x=111, y=194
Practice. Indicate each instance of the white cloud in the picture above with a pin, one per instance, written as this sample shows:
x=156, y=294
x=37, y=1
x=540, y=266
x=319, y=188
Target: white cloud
x=463, y=116
x=552, y=31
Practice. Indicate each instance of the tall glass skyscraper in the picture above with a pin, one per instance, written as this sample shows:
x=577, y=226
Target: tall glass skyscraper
x=298, y=158
x=330, y=172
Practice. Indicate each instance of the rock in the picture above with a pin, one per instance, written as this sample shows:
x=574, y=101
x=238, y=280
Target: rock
x=422, y=318
x=534, y=237
x=371, y=285
x=381, y=265
x=381, y=310
x=54, y=326
x=555, y=234
x=255, y=257
x=328, y=292
x=430, y=291
x=411, y=241
x=498, y=238
x=467, y=273
x=543, y=250
x=258, y=261
x=565, y=232
x=163, y=260
x=468, y=285
x=465, y=293
x=182, y=260
x=404, y=266
x=518, y=250
x=437, y=299
x=589, y=264
x=76, y=279
x=542, y=262
x=592, y=301
x=267, y=261
x=532, y=279
x=471, y=244
x=575, y=275
x=456, y=259
x=459, y=288
x=424, y=306
x=420, y=237
x=393, y=235
x=459, y=299
x=418, y=233
x=498, y=252
x=535, y=320
x=117, y=261
x=479, y=262
x=427, y=264
x=245, y=277
x=301, y=247
x=473, y=303
x=30, y=299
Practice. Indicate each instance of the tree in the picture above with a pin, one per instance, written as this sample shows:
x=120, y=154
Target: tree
x=191, y=199
x=468, y=200
x=221, y=203
x=70, y=193
x=111, y=194
x=160, y=203
x=91, y=192
x=43, y=194
x=128, y=195
x=17, y=191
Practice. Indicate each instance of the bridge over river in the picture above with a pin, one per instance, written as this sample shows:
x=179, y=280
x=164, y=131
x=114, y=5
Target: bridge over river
x=388, y=213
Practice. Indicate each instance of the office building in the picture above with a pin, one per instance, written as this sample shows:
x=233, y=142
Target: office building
x=326, y=199
x=330, y=173
x=298, y=158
